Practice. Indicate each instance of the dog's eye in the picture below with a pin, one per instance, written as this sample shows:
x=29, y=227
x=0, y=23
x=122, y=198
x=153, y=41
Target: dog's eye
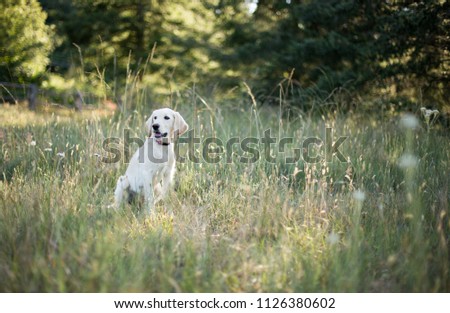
x=166, y=118
x=155, y=117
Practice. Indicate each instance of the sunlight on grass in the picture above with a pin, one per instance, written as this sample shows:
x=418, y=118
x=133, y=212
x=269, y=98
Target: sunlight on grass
x=365, y=225
x=19, y=115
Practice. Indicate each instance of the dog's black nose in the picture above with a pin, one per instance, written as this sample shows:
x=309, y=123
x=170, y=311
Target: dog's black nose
x=155, y=126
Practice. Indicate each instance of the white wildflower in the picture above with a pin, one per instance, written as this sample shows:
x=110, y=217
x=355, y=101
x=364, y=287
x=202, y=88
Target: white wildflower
x=61, y=154
x=32, y=143
x=407, y=161
x=430, y=116
x=359, y=195
x=48, y=149
x=333, y=238
x=427, y=113
x=409, y=121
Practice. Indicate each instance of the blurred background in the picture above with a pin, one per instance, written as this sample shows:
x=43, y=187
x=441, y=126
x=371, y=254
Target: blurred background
x=358, y=52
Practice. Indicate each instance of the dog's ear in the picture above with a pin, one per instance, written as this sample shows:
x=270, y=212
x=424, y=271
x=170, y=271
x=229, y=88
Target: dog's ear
x=180, y=125
x=149, y=124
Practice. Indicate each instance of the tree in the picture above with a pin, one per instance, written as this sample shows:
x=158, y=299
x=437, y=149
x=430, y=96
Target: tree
x=358, y=45
x=25, y=40
x=324, y=43
x=413, y=48
x=117, y=36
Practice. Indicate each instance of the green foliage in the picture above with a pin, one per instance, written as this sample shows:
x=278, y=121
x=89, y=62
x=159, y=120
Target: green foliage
x=114, y=39
x=349, y=44
x=379, y=49
x=413, y=47
x=103, y=30
x=25, y=40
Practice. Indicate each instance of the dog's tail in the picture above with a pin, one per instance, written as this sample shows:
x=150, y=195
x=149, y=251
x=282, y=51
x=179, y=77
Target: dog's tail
x=122, y=185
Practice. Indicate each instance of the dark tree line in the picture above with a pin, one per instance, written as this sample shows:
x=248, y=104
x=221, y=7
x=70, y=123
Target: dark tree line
x=364, y=46
x=346, y=44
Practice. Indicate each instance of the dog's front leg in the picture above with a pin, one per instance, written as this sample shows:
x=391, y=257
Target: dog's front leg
x=157, y=192
x=166, y=183
x=122, y=186
x=148, y=195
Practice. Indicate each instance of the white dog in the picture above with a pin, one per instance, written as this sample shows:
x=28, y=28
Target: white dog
x=152, y=167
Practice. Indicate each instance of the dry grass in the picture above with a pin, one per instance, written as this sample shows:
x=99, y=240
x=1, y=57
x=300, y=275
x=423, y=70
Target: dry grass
x=227, y=227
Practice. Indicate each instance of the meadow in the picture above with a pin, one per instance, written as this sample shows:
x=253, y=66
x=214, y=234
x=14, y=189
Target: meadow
x=376, y=222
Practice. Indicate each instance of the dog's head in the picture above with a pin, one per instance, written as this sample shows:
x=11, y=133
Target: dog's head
x=166, y=124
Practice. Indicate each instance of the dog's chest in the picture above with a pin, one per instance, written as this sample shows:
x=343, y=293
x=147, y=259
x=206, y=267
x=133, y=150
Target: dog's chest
x=155, y=154
x=150, y=163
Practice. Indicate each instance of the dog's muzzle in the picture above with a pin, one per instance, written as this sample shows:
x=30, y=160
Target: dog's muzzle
x=161, y=138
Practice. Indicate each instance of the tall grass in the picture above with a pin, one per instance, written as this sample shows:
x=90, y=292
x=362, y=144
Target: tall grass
x=366, y=225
